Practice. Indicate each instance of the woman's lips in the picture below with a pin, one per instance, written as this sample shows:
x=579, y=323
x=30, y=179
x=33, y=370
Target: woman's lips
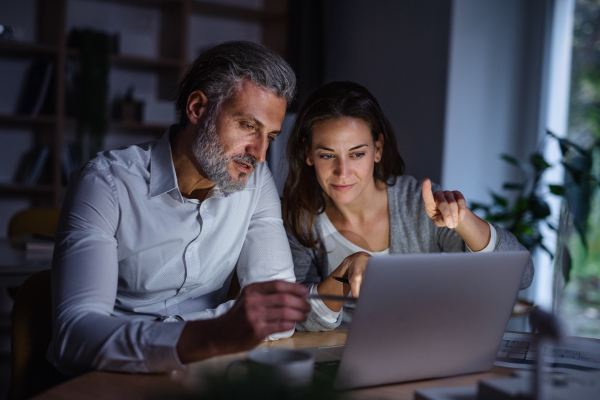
x=342, y=188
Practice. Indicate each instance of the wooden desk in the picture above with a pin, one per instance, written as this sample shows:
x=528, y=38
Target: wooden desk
x=115, y=386
x=16, y=265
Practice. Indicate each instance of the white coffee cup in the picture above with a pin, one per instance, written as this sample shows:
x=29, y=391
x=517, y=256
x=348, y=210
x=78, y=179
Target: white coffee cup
x=292, y=367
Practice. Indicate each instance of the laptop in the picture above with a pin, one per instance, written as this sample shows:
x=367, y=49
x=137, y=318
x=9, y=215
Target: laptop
x=423, y=316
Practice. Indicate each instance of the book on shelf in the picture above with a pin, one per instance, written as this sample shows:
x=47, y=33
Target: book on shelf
x=32, y=165
x=70, y=159
x=38, y=166
x=38, y=243
x=36, y=88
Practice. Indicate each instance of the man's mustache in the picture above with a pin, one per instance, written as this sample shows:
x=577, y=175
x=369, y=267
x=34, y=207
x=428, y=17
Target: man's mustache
x=246, y=158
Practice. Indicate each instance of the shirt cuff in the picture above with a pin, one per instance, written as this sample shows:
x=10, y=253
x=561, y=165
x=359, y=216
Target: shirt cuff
x=279, y=335
x=491, y=246
x=160, y=348
x=321, y=309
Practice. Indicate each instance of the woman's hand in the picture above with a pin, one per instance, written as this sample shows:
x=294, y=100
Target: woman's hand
x=355, y=265
x=353, y=268
x=449, y=209
x=446, y=208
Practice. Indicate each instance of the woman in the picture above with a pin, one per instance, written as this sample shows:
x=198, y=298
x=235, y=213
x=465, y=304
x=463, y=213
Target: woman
x=345, y=199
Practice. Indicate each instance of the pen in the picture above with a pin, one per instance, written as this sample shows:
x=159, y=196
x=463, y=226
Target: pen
x=343, y=280
x=332, y=298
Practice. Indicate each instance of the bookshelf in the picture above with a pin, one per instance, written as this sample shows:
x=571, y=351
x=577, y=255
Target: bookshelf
x=169, y=64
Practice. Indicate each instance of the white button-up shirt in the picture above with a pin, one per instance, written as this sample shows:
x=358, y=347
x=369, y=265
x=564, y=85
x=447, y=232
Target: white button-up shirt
x=130, y=248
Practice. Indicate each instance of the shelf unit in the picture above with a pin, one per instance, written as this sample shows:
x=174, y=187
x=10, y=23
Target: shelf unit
x=170, y=65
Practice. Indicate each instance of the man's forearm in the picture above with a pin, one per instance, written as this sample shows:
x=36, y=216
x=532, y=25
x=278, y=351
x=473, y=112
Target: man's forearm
x=262, y=309
x=204, y=339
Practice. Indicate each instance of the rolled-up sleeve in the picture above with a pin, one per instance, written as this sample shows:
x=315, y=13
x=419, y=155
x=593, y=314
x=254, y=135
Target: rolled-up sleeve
x=266, y=255
x=86, y=335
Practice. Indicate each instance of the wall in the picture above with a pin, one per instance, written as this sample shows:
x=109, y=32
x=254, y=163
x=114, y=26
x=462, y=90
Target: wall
x=494, y=97
x=399, y=51
x=497, y=100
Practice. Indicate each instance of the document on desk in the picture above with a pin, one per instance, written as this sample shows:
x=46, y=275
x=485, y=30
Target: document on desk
x=572, y=354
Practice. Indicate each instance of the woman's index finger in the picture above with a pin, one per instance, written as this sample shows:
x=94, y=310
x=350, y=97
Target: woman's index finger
x=427, y=192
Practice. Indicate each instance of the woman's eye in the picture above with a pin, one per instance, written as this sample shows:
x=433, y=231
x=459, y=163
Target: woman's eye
x=359, y=155
x=326, y=156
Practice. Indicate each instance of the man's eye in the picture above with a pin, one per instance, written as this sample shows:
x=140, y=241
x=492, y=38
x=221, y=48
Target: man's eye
x=248, y=126
x=271, y=138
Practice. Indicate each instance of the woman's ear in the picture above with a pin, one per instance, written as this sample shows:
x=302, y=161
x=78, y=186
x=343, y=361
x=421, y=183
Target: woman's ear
x=309, y=159
x=379, y=148
x=196, y=106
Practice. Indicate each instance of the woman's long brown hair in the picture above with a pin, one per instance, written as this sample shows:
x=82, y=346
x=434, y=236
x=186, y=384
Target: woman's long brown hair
x=303, y=197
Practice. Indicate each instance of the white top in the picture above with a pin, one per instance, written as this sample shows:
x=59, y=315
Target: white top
x=339, y=248
x=130, y=248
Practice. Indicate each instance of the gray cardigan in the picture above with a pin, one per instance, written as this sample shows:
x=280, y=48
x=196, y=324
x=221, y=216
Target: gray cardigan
x=411, y=231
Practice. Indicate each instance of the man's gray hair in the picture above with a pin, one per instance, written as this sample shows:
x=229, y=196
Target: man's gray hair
x=219, y=71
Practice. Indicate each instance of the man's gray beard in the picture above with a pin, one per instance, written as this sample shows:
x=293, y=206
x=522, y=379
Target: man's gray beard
x=211, y=156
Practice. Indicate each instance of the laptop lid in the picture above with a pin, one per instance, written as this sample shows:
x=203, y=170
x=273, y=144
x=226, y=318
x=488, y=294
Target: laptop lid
x=429, y=315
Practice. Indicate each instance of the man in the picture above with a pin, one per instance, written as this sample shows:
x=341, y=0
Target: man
x=151, y=234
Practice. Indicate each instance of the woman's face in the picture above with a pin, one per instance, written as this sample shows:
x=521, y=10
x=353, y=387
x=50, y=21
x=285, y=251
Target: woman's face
x=344, y=156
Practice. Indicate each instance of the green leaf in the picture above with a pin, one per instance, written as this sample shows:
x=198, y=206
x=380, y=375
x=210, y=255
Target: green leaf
x=571, y=145
x=478, y=206
x=558, y=190
x=499, y=200
x=499, y=217
x=577, y=172
x=566, y=145
x=511, y=160
x=564, y=148
x=551, y=254
x=513, y=186
x=539, y=208
x=521, y=205
x=538, y=162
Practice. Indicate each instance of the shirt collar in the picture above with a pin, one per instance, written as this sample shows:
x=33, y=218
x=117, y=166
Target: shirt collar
x=162, y=172
x=163, y=178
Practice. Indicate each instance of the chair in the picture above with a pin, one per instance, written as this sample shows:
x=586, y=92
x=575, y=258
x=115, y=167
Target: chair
x=31, y=335
x=30, y=221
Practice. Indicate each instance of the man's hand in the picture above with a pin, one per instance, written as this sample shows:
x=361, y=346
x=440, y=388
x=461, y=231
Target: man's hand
x=262, y=308
x=446, y=208
x=265, y=308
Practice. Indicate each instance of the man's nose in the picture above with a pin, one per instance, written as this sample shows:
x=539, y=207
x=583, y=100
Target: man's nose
x=258, y=148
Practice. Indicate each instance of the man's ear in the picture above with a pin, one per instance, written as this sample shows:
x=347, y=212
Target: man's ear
x=309, y=159
x=196, y=106
x=379, y=148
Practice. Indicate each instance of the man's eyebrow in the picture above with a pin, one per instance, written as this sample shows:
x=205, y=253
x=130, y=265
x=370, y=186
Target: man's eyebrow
x=250, y=117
